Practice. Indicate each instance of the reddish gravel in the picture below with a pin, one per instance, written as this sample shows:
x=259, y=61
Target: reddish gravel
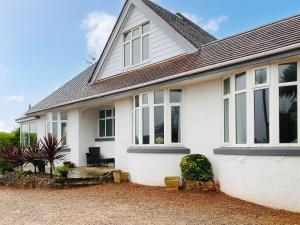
x=132, y=204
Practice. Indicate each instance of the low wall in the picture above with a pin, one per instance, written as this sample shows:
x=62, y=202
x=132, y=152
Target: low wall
x=265, y=180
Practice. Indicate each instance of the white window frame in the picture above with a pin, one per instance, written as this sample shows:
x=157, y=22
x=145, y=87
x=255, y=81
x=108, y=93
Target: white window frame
x=141, y=35
x=167, y=117
x=28, y=131
x=49, y=123
x=113, y=117
x=273, y=85
x=229, y=97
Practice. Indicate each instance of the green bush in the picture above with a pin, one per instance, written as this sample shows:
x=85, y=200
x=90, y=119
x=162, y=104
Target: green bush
x=196, y=167
x=62, y=172
x=5, y=167
x=24, y=173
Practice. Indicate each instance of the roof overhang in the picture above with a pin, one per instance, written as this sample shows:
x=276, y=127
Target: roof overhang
x=209, y=71
x=26, y=119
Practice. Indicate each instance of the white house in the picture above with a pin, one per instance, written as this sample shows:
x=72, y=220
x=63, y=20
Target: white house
x=163, y=88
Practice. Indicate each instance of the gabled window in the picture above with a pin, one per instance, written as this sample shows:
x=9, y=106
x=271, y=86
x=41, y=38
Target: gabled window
x=136, y=46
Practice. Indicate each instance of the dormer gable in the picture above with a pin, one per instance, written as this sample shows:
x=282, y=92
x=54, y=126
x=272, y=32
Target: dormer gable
x=146, y=34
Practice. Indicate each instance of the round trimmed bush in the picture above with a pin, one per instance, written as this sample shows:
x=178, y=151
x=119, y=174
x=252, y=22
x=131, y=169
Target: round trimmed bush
x=196, y=167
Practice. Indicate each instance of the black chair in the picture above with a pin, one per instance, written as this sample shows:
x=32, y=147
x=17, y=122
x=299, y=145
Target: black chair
x=93, y=157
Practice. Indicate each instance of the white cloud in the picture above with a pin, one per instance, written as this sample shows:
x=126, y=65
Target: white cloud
x=12, y=98
x=193, y=17
x=99, y=26
x=213, y=25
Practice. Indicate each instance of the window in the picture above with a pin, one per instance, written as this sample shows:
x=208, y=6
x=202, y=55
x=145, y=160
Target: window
x=240, y=108
x=137, y=45
x=56, y=124
x=265, y=106
x=106, y=123
x=29, y=133
x=150, y=125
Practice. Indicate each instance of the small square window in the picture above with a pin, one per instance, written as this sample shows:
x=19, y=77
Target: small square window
x=137, y=101
x=63, y=116
x=158, y=97
x=175, y=96
x=260, y=76
x=146, y=28
x=136, y=32
x=227, y=86
x=102, y=114
x=54, y=116
x=145, y=99
x=287, y=72
x=240, y=81
x=127, y=36
x=108, y=113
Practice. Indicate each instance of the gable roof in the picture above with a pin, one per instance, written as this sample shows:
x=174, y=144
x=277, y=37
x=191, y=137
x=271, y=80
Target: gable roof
x=282, y=35
x=188, y=29
x=189, y=34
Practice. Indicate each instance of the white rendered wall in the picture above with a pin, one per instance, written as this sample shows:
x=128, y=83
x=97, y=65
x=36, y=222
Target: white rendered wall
x=41, y=127
x=73, y=135
x=123, y=132
x=269, y=181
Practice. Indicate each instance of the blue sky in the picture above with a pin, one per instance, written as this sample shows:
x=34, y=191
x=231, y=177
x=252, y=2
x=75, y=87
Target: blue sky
x=44, y=43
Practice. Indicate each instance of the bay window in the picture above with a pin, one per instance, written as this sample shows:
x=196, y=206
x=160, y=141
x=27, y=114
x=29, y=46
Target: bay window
x=56, y=125
x=136, y=46
x=263, y=105
x=107, y=123
x=29, y=133
x=151, y=126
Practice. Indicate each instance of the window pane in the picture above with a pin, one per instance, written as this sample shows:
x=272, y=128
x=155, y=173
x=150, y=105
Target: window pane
x=261, y=76
x=287, y=72
x=102, y=128
x=55, y=129
x=114, y=127
x=136, y=32
x=158, y=97
x=137, y=141
x=137, y=101
x=64, y=116
x=63, y=133
x=33, y=133
x=241, y=125
x=158, y=124
x=226, y=86
x=24, y=133
x=127, y=54
x=146, y=128
x=175, y=124
x=127, y=36
x=146, y=28
x=102, y=114
x=108, y=113
x=146, y=47
x=54, y=116
x=175, y=96
x=109, y=128
x=261, y=116
x=288, y=114
x=136, y=51
x=226, y=120
x=145, y=99
x=240, y=81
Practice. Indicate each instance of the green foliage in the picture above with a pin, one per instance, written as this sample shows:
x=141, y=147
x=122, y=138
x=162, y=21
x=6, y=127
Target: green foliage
x=9, y=138
x=24, y=173
x=62, y=172
x=196, y=167
x=5, y=167
x=69, y=164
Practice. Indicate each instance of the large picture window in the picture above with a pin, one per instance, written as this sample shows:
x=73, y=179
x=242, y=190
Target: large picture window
x=29, y=133
x=265, y=104
x=137, y=45
x=107, y=123
x=57, y=125
x=150, y=123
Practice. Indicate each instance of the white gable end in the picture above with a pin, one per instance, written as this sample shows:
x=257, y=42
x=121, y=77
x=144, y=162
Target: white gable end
x=162, y=45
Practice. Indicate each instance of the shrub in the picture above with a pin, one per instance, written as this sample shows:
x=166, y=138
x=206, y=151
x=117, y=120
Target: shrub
x=13, y=155
x=24, y=173
x=33, y=155
x=69, y=164
x=62, y=172
x=5, y=167
x=196, y=167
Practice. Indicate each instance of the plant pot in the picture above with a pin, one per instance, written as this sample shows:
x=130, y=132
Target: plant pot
x=201, y=185
x=172, y=183
x=120, y=177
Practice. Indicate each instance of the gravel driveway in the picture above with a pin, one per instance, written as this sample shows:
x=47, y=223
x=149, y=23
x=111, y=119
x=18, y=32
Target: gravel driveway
x=131, y=204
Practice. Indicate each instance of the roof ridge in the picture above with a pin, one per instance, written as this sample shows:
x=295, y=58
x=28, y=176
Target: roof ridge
x=252, y=29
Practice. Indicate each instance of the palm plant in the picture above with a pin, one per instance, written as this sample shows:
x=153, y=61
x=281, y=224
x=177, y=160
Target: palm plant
x=33, y=154
x=52, y=150
x=13, y=155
